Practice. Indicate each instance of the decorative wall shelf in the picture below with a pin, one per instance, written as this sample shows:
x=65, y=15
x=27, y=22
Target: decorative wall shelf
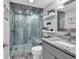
x=44, y=31
x=51, y=15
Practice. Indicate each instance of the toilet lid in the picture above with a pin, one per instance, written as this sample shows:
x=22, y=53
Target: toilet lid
x=37, y=48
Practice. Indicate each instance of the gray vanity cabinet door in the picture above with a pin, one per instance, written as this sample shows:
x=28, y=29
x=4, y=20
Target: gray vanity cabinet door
x=47, y=55
x=56, y=53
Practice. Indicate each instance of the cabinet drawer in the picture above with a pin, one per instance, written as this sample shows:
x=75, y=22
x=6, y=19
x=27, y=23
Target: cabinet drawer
x=58, y=53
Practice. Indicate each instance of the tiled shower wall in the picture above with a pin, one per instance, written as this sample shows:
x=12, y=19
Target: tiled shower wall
x=25, y=29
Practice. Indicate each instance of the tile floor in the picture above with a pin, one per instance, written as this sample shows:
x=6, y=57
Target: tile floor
x=22, y=56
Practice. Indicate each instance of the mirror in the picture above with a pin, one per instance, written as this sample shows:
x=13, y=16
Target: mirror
x=60, y=20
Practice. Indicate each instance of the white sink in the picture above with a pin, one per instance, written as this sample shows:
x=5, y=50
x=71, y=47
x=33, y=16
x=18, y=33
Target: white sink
x=54, y=39
x=63, y=43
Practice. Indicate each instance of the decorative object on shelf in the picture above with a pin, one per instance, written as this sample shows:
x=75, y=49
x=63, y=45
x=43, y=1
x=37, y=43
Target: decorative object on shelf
x=45, y=28
x=49, y=16
x=51, y=29
x=46, y=35
x=44, y=31
x=48, y=23
x=51, y=11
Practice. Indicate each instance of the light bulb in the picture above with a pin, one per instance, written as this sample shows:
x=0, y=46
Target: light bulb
x=20, y=11
x=62, y=1
x=60, y=6
x=31, y=1
x=31, y=13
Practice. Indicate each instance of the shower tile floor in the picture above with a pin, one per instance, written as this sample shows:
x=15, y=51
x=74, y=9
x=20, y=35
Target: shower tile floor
x=23, y=56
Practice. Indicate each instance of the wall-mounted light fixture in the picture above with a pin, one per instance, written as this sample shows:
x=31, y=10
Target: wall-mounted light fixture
x=27, y=11
x=62, y=1
x=20, y=11
x=31, y=1
x=31, y=13
x=60, y=6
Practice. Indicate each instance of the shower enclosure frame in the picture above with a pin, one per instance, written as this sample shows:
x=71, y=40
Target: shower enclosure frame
x=25, y=48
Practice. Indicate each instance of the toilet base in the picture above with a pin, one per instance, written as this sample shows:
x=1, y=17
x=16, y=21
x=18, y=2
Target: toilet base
x=37, y=52
x=37, y=56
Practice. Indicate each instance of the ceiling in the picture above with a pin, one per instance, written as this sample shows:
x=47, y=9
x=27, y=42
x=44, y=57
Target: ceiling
x=68, y=5
x=16, y=8
x=68, y=2
x=37, y=3
x=71, y=6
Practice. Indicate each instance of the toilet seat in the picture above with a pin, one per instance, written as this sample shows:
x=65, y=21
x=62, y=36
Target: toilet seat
x=37, y=50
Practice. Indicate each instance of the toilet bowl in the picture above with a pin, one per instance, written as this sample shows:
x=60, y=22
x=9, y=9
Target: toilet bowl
x=37, y=52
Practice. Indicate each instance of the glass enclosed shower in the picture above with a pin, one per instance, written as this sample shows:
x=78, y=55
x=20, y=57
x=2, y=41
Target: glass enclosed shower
x=25, y=28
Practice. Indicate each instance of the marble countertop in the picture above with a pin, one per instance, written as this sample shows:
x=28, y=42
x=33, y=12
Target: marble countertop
x=64, y=32
x=51, y=41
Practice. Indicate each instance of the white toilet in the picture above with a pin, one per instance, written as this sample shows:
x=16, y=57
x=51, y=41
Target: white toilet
x=37, y=52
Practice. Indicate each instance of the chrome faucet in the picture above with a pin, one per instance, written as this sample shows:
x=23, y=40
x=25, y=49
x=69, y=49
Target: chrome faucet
x=69, y=34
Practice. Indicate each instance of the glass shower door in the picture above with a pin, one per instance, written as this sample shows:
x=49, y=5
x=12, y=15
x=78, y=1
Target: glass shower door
x=25, y=28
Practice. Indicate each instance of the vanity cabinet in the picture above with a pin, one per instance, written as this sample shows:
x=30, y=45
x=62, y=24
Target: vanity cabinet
x=47, y=54
x=51, y=52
